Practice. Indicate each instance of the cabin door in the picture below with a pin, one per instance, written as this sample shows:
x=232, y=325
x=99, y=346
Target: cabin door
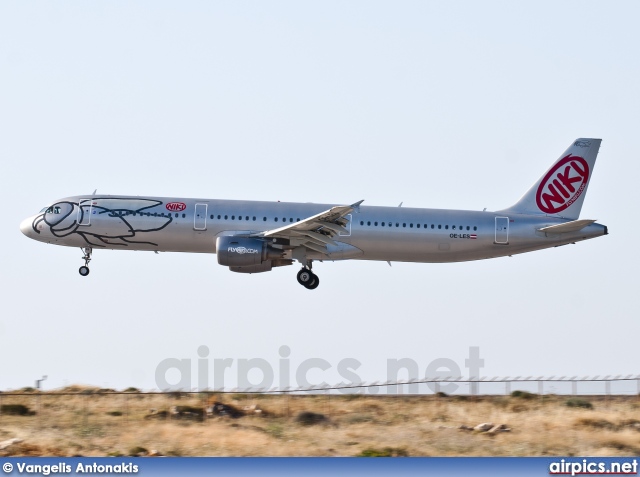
x=200, y=217
x=502, y=230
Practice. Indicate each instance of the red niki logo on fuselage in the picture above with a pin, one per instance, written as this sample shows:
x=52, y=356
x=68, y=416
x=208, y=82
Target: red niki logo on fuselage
x=563, y=184
x=176, y=206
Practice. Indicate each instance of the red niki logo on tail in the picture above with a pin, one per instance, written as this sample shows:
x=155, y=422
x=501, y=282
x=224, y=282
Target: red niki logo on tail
x=563, y=184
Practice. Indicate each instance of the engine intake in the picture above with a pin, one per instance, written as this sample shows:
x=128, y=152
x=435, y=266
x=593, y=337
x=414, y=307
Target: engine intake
x=246, y=252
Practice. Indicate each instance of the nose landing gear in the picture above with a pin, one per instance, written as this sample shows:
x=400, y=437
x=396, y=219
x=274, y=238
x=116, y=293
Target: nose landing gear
x=308, y=279
x=84, y=270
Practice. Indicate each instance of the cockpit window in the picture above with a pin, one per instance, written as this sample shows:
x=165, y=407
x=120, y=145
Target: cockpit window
x=54, y=209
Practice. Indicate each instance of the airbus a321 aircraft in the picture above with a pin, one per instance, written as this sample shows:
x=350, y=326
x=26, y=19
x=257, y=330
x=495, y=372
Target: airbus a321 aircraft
x=253, y=237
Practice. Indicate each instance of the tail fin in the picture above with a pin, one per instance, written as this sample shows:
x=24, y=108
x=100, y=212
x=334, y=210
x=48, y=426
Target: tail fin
x=561, y=190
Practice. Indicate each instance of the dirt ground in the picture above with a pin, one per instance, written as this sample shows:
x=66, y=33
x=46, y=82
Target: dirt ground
x=90, y=422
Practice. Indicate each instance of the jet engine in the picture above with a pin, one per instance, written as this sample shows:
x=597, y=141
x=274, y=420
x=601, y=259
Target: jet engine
x=246, y=255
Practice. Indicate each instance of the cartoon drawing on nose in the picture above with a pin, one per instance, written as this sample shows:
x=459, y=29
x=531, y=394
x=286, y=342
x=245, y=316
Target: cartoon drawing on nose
x=103, y=222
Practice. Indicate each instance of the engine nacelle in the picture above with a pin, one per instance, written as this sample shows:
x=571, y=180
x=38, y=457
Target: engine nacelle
x=246, y=253
x=263, y=267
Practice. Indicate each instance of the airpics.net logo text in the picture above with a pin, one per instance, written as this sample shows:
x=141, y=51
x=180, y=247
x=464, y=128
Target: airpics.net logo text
x=258, y=374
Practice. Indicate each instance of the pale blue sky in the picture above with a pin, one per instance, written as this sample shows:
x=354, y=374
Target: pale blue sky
x=436, y=104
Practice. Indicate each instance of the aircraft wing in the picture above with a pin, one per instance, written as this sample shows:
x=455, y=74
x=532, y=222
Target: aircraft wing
x=315, y=232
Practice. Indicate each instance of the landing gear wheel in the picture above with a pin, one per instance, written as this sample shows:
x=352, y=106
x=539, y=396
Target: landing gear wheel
x=84, y=271
x=305, y=277
x=316, y=282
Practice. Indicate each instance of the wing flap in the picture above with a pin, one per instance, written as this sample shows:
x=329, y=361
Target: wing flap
x=316, y=236
x=314, y=247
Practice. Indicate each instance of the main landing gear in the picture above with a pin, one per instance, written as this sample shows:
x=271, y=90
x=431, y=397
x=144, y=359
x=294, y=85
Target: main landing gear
x=308, y=279
x=84, y=270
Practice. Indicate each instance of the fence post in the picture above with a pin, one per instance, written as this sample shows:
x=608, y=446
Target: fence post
x=574, y=387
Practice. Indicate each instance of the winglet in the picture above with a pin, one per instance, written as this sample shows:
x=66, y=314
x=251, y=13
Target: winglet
x=357, y=204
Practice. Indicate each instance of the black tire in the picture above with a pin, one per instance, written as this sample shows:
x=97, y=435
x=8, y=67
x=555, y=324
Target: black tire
x=84, y=271
x=305, y=277
x=313, y=285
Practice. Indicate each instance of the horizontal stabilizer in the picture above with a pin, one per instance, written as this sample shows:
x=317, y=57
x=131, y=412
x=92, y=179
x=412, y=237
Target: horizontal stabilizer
x=572, y=226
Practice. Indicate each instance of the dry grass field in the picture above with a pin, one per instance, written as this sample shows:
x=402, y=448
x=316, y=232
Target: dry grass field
x=88, y=422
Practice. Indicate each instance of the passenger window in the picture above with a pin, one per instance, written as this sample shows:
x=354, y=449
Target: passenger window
x=446, y=227
x=417, y=225
x=369, y=222
x=218, y=216
x=184, y=215
x=264, y=219
x=246, y=218
x=178, y=214
x=475, y=228
x=233, y=217
x=239, y=217
x=211, y=217
x=362, y=222
x=453, y=227
x=382, y=224
x=226, y=217
x=397, y=224
x=276, y=219
x=375, y=223
x=284, y=219
x=254, y=218
x=297, y=220
x=404, y=225
x=439, y=226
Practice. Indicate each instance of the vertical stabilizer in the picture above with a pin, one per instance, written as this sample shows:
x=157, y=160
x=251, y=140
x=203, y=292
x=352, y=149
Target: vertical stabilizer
x=561, y=190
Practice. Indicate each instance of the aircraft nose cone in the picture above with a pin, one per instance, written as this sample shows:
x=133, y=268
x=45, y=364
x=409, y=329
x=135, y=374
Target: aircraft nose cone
x=25, y=227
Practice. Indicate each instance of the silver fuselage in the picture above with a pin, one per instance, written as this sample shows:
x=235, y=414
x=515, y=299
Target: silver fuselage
x=398, y=234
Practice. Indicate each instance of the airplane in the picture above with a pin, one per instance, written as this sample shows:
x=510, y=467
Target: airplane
x=254, y=237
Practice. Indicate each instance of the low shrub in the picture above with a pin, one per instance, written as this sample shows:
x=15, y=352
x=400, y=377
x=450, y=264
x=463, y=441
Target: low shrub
x=386, y=452
x=16, y=410
x=523, y=395
x=307, y=418
x=137, y=451
x=596, y=423
x=579, y=403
